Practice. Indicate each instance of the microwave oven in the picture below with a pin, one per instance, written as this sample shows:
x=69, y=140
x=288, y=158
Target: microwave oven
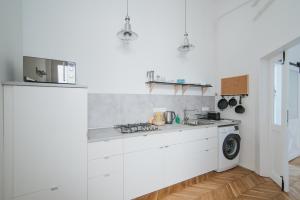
x=48, y=70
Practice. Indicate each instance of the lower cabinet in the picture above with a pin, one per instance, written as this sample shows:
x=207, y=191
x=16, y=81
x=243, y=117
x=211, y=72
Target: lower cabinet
x=175, y=164
x=140, y=169
x=143, y=172
x=106, y=187
x=106, y=178
x=154, y=169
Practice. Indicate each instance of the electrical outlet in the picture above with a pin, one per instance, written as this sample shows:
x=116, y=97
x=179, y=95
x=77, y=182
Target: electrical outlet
x=205, y=109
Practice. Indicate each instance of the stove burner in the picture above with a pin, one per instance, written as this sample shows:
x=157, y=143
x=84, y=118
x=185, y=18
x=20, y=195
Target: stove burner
x=139, y=127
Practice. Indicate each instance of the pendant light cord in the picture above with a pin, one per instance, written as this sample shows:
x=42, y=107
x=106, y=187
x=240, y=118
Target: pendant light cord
x=127, y=7
x=185, y=16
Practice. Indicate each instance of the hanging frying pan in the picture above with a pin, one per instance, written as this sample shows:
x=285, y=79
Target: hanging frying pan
x=240, y=108
x=222, y=104
x=232, y=102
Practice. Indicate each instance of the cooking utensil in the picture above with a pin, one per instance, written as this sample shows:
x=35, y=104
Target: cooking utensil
x=222, y=104
x=169, y=117
x=240, y=109
x=232, y=102
x=214, y=115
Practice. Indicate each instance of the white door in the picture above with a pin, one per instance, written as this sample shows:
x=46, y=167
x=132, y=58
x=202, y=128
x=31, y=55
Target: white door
x=279, y=121
x=294, y=119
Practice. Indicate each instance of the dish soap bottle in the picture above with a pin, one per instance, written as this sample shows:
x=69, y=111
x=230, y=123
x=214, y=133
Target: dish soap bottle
x=177, y=119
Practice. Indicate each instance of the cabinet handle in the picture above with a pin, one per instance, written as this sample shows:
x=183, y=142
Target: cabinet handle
x=106, y=157
x=54, y=188
x=206, y=138
x=166, y=146
x=206, y=150
x=106, y=175
x=161, y=147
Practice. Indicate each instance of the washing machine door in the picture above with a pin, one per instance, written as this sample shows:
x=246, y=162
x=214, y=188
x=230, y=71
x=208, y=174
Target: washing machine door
x=231, y=146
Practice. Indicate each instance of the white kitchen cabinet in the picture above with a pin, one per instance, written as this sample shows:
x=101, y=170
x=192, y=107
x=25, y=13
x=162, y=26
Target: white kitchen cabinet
x=45, y=142
x=55, y=193
x=149, y=163
x=143, y=172
x=187, y=160
x=199, y=134
x=198, y=155
x=174, y=164
x=145, y=142
x=105, y=148
x=105, y=170
x=106, y=178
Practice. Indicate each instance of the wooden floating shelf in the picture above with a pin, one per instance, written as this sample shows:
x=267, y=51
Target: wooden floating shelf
x=231, y=95
x=177, y=86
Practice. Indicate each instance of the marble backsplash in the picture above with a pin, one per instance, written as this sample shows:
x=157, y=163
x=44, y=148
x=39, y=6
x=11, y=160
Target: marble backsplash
x=106, y=110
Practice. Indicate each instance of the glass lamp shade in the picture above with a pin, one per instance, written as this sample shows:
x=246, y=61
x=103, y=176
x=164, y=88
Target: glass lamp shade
x=186, y=46
x=127, y=34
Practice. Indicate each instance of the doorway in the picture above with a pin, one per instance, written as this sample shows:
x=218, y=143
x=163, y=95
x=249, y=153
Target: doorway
x=279, y=119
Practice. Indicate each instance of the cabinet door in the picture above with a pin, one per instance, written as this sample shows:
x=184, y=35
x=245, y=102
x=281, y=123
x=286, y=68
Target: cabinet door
x=199, y=159
x=175, y=164
x=143, y=172
x=48, y=139
x=104, y=174
x=106, y=186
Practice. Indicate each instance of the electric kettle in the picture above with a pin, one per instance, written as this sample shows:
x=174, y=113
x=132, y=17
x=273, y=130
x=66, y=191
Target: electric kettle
x=169, y=117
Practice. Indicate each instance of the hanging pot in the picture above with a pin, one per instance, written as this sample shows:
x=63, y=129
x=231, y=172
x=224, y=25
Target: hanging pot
x=222, y=104
x=240, y=109
x=232, y=102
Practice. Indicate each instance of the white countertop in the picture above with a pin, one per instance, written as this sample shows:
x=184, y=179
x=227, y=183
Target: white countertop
x=36, y=84
x=110, y=133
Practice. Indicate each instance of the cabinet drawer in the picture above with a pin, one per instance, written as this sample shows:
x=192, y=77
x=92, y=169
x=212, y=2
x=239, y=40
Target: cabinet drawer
x=107, y=187
x=198, y=134
x=105, y=166
x=49, y=194
x=202, y=145
x=105, y=148
x=144, y=142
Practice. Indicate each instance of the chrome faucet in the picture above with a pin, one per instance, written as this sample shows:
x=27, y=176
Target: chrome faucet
x=185, y=115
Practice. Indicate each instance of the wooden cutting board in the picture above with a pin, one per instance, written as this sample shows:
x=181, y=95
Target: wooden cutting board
x=234, y=86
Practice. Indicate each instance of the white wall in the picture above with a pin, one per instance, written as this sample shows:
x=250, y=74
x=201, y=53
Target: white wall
x=241, y=43
x=10, y=55
x=293, y=55
x=84, y=31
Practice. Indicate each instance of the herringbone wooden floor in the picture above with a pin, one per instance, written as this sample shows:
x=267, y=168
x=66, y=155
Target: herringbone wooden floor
x=238, y=183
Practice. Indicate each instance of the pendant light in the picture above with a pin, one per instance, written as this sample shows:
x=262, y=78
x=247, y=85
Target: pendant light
x=186, y=46
x=127, y=34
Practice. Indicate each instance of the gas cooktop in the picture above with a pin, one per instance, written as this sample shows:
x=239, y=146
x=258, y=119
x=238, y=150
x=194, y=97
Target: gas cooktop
x=138, y=127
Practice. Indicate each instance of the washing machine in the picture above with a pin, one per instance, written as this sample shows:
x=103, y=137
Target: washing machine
x=229, y=147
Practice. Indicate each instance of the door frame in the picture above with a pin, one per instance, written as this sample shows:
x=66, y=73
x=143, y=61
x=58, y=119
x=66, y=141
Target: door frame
x=263, y=129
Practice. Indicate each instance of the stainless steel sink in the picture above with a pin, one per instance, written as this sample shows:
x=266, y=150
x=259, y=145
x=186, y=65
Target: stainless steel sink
x=198, y=123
